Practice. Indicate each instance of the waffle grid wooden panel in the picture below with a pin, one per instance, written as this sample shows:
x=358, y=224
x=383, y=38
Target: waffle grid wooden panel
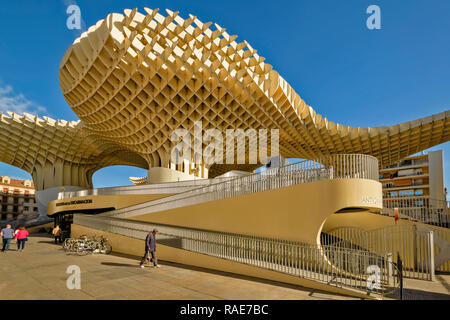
x=134, y=78
x=56, y=152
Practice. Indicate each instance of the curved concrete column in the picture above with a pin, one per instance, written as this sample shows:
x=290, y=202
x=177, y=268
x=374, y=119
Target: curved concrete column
x=60, y=174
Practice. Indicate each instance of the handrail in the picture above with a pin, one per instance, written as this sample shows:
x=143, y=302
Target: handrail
x=412, y=245
x=422, y=209
x=168, y=187
x=344, y=166
x=413, y=201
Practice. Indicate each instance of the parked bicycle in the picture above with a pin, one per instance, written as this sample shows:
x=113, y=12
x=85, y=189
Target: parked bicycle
x=71, y=244
x=84, y=246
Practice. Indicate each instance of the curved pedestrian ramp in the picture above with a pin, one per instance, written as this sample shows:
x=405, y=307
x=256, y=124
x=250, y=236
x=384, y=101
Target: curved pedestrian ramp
x=356, y=270
x=345, y=166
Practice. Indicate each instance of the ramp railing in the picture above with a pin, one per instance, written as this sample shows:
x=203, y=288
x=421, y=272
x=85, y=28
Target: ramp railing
x=422, y=209
x=414, y=246
x=357, y=270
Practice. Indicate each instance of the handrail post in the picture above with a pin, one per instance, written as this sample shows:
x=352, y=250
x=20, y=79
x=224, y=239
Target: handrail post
x=390, y=270
x=431, y=252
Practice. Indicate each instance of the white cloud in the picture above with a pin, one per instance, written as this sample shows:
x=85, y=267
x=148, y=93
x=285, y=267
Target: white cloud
x=17, y=102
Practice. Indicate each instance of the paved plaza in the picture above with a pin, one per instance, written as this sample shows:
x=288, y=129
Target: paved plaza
x=39, y=272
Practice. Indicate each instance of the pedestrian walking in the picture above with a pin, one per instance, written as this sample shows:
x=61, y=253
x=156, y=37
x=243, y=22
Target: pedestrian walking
x=7, y=234
x=57, y=234
x=22, y=237
x=150, y=249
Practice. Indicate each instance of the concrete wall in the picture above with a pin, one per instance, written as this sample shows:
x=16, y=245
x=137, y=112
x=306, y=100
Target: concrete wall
x=101, y=202
x=436, y=174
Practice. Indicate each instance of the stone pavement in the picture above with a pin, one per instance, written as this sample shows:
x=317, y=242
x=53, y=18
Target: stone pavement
x=39, y=272
x=427, y=290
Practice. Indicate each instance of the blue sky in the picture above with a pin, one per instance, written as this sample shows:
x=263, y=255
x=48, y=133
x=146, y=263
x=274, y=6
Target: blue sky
x=350, y=74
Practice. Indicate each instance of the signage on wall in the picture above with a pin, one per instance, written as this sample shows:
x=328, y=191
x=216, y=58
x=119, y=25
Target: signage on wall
x=68, y=203
x=372, y=200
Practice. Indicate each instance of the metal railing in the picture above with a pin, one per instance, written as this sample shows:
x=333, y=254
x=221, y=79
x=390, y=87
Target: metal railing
x=406, y=165
x=343, y=166
x=340, y=267
x=415, y=247
x=352, y=166
x=430, y=211
x=169, y=187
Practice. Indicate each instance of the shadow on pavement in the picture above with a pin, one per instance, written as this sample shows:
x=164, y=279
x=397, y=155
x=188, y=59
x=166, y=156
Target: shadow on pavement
x=413, y=294
x=217, y=272
x=49, y=241
x=443, y=282
x=114, y=264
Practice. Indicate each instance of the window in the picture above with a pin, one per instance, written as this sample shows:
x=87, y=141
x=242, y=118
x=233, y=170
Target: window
x=35, y=209
x=406, y=193
x=418, y=192
x=406, y=163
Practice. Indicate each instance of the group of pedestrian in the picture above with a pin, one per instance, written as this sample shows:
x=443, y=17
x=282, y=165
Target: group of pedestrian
x=150, y=249
x=8, y=234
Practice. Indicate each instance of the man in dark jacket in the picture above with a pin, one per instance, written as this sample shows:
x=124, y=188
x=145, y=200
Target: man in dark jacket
x=150, y=248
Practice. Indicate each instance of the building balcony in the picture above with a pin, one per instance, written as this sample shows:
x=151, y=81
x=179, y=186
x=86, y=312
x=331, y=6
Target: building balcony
x=413, y=176
x=10, y=212
x=403, y=167
x=411, y=186
x=12, y=194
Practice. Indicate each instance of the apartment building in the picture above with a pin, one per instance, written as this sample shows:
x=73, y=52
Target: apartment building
x=17, y=198
x=419, y=178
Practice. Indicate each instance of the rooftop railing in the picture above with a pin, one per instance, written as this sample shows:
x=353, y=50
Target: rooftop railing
x=168, y=187
x=351, y=166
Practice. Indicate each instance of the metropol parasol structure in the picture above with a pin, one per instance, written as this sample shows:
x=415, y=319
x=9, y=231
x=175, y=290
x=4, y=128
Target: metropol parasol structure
x=133, y=79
